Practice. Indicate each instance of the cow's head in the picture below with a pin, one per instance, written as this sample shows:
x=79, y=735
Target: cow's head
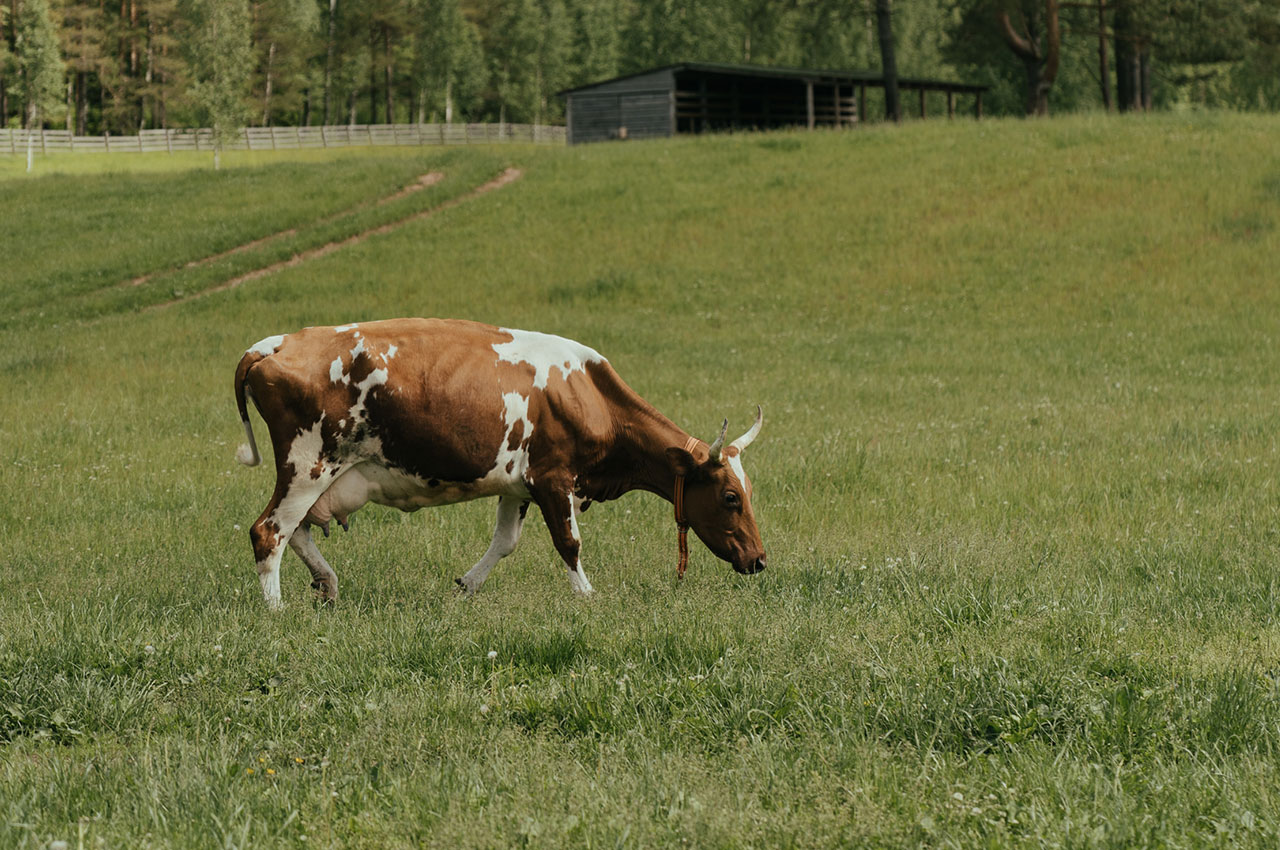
x=717, y=499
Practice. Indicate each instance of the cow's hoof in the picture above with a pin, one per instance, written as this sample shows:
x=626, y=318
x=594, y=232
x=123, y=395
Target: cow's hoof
x=326, y=594
x=464, y=589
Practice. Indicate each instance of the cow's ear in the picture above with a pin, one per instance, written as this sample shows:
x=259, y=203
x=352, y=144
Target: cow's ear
x=681, y=461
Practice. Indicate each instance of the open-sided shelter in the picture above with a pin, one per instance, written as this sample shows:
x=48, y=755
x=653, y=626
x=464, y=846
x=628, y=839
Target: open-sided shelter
x=697, y=97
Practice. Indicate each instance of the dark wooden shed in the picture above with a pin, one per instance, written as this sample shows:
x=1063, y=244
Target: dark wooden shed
x=697, y=97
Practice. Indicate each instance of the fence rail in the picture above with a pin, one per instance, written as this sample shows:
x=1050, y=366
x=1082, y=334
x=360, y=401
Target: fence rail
x=282, y=138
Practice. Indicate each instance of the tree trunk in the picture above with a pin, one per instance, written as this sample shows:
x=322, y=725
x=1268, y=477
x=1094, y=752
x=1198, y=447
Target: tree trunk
x=1041, y=65
x=888, y=61
x=1104, y=73
x=328, y=58
x=373, y=83
x=1037, y=92
x=1127, y=84
x=388, y=74
x=448, y=101
x=266, y=96
x=82, y=103
x=1144, y=77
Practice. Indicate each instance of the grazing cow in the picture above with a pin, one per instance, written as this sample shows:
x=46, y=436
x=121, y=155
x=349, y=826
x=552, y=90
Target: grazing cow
x=413, y=413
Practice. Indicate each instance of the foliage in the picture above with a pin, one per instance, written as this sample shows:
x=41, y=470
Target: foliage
x=39, y=63
x=220, y=60
x=406, y=60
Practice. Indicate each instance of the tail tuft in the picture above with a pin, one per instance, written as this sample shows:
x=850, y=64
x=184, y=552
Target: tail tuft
x=247, y=455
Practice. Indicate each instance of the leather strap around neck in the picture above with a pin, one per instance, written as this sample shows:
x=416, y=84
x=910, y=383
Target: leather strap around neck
x=682, y=527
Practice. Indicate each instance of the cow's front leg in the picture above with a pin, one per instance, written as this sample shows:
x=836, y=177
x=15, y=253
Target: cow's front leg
x=506, y=534
x=560, y=512
x=323, y=579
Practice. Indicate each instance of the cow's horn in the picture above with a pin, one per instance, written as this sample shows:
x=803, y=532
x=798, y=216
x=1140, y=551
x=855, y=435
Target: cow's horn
x=745, y=440
x=715, y=447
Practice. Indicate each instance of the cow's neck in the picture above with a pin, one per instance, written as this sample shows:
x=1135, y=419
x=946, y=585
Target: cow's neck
x=639, y=459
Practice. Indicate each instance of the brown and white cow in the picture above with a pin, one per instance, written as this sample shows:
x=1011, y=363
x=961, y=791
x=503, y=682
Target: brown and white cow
x=413, y=413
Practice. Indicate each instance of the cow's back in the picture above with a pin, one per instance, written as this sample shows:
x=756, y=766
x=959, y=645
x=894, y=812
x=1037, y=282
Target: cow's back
x=440, y=399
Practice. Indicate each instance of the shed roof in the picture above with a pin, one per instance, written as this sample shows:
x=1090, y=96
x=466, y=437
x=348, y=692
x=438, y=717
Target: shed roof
x=817, y=75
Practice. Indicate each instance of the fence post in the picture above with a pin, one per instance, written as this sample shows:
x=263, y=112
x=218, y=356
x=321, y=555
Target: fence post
x=106, y=140
x=139, y=140
x=168, y=140
x=324, y=142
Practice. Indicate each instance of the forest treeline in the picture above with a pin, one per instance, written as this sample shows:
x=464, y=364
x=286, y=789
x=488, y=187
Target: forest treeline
x=118, y=66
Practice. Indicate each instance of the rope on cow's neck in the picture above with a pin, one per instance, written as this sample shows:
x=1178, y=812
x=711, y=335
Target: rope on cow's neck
x=682, y=527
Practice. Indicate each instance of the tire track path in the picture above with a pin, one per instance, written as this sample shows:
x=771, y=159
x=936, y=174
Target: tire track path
x=428, y=179
x=505, y=178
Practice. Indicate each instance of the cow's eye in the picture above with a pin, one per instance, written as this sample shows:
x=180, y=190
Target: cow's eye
x=732, y=499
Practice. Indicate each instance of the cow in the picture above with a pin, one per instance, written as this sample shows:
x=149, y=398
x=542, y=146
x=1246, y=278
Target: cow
x=413, y=413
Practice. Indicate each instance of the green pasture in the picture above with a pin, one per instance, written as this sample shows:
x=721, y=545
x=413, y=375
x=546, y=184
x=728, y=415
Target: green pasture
x=1018, y=483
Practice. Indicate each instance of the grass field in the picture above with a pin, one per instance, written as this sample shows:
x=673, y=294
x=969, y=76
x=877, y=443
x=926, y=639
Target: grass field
x=1018, y=484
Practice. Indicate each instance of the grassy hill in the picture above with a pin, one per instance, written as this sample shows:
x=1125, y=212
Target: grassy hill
x=1018, y=483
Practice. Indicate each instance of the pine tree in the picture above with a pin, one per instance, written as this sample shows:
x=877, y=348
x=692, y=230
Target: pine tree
x=285, y=39
x=82, y=31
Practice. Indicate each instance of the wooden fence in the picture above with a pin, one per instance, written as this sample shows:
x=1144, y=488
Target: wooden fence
x=282, y=138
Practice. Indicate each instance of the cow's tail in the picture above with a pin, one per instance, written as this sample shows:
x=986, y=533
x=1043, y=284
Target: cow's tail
x=248, y=452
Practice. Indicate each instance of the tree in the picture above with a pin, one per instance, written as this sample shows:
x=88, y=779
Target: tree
x=40, y=69
x=447, y=62
x=597, y=43
x=6, y=68
x=1039, y=58
x=221, y=57
x=284, y=39
x=82, y=29
x=888, y=61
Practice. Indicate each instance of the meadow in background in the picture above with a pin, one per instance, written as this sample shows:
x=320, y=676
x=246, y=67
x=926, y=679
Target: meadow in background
x=1017, y=481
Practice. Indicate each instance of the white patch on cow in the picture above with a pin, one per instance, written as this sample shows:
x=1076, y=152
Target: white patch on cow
x=335, y=372
x=376, y=378
x=391, y=352
x=577, y=578
x=355, y=352
x=266, y=346
x=305, y=450
x=545, y=352
x=510, y=465
x=573, y=520
x=344, y=328
x=735, y=464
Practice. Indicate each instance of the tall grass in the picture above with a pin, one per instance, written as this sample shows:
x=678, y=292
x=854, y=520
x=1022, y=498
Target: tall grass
x=1017, y=483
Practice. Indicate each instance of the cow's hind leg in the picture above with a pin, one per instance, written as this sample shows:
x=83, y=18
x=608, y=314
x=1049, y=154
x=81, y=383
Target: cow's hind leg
x=278, y=523
x=323, y=579
x=506, y=534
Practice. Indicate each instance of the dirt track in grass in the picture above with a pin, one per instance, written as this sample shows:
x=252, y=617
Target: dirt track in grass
x=431, y=178
x=506, y=177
